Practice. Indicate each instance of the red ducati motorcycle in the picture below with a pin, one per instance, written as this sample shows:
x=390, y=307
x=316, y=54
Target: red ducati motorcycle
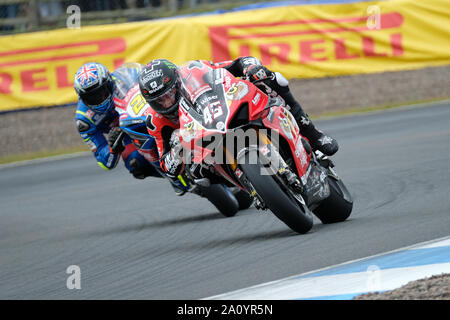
x=234, y=134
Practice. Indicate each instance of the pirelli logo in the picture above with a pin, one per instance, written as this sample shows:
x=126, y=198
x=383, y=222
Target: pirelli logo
x=312, y=40
x=44, y=68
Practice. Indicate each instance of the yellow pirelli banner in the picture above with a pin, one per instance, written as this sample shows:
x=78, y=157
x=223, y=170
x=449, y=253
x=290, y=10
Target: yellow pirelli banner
x=302, y=41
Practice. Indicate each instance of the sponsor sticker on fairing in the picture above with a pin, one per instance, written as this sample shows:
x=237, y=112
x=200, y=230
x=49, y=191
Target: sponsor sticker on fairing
x=256, y=98
x=237, y=91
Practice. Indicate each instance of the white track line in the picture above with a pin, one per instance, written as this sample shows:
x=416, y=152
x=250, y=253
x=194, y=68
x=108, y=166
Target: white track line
x=295, y=287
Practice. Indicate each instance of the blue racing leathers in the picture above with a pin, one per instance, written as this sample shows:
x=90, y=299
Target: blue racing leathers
x=93, y=127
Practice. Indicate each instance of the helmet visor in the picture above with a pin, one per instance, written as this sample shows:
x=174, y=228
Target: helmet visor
x=97, y=96
x=166, y=100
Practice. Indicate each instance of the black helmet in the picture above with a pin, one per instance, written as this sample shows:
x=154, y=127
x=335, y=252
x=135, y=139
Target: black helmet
x=94, y=86
x=160, y=84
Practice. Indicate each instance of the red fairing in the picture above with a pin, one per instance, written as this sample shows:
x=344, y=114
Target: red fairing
x=219, y=95
x=213, y=98
x=129, y=148
x=149, y=154
x=122, y=104
x=281, y=120
x=217, y=65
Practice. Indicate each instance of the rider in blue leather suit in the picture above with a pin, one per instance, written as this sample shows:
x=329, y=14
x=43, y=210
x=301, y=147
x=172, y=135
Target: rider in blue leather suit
x=96, y=117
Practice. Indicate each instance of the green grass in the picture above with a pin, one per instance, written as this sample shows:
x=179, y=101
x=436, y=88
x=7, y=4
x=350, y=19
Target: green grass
x=350, y=111
x=41, y=154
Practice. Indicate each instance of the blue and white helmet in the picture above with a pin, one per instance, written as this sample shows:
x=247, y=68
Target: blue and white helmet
x=94, y=86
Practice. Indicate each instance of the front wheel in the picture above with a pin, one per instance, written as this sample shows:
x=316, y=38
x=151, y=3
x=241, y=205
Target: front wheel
x=283, y=206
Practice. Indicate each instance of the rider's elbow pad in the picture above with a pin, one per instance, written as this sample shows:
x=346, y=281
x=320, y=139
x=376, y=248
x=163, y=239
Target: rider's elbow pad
x=281, y=80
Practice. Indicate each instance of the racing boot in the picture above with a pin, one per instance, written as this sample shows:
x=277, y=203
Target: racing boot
x=270, y=81
x=317, y=138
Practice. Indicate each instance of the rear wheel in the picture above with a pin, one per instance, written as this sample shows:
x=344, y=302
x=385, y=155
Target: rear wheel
x=222, y=199
x=295, y=216
x=338, y=206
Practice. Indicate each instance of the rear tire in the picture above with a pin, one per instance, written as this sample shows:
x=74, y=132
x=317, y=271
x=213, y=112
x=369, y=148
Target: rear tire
x=222, y=199
x=335, y=208
x=275, y=198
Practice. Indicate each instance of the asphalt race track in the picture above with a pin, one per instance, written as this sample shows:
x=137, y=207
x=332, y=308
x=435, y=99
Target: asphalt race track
x=136, y=240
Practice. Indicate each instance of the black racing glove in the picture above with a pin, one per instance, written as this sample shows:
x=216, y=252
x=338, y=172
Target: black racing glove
x=115, y=140
x=141, y=171
x=172, y=164
x=272, y=83
x=257, y=73
x=175, y=143
x=173, y=160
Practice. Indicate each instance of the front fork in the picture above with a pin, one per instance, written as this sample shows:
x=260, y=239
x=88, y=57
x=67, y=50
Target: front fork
x=273, y=164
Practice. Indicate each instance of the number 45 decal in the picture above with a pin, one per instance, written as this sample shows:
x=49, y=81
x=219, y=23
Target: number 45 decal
x=216, y=109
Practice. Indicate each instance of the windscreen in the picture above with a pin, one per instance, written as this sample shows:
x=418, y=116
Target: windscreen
x=125, y=77
x=203, y=87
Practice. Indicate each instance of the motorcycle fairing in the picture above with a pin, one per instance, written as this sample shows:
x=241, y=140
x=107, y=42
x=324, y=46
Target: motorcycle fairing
x=212, y=98
x=281, y=120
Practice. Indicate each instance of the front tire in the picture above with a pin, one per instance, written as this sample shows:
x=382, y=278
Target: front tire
x=275, y=198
